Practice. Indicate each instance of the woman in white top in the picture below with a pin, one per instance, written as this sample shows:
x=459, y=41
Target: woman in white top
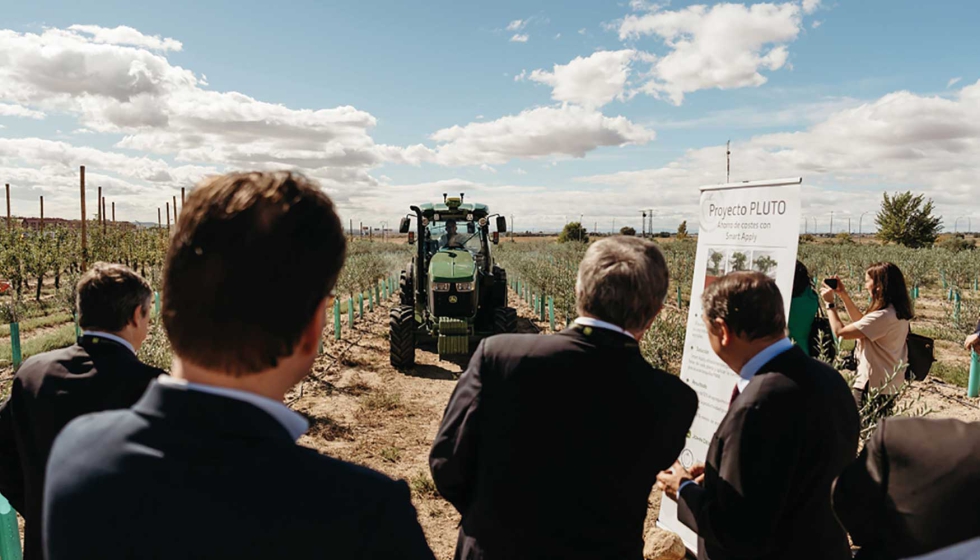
x=881, y=333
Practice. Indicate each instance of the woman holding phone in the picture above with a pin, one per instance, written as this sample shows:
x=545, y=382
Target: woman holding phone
x=881, y=332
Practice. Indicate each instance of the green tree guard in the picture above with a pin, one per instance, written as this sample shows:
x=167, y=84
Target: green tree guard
x=973, y=390
x=541, y=307
x=551, y=313
x=370, y=300
x=360, y=306
x=156, y=303
x=15, y=344
x=679, y=296
x=377, y=295
x=956, y=307
x=9, y=534
x=350, y=312
x=336, y=319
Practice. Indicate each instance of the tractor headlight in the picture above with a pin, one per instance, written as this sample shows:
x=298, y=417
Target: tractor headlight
x=465, y=286
x=435, y=217
x=483, y=222
x=469, y=217
x=440, y=286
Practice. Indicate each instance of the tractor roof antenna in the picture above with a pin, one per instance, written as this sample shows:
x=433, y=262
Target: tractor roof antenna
x=443, y=198
x=461, y=196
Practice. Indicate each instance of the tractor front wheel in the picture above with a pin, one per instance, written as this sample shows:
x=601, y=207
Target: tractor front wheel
x=504, y=320
x=401, y=323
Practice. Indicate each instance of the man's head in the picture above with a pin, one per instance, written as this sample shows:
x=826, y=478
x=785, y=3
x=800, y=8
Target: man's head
x=250, y=266
x=451, y=227
x=114, y=299
x=623, y=281
x=743, y=312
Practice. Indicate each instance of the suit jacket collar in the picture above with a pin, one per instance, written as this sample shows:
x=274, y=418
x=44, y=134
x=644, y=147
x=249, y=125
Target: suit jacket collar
x=784, y=363
x=204, y=412
x=600, y=337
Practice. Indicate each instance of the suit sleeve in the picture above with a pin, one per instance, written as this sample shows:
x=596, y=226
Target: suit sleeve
x=859, y=491
x=11, y=475
x=739, y=508
x=397, y=533
x=453, y=459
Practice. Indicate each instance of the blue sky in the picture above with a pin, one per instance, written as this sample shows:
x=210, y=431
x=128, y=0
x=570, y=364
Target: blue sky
x=854, y=96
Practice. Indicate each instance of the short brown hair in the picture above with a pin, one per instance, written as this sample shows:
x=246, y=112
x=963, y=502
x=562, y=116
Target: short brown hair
x=108, y=295
x=623, y=281
x=748, y=302
x=251, y=258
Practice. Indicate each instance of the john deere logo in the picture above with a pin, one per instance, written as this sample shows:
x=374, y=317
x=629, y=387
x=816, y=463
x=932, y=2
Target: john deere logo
x=453, y=299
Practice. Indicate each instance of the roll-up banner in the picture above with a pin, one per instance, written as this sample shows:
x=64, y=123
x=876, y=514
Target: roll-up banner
x=743, y=226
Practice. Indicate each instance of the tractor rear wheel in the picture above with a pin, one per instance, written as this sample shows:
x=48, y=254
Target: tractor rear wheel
x=407, y=286
x=499, y=287
x=504, y=320
x=401, y=324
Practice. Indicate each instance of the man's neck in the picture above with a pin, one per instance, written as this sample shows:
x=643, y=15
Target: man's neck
x=126, y=334
x=267, y=383
x=752, y=349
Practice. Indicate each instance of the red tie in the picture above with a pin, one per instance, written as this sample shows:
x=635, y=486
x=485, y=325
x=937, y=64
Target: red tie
x=735, y=393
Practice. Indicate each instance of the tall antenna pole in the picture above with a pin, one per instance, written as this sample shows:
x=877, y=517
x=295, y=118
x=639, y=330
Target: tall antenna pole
x=84, y=250
x=728, y=161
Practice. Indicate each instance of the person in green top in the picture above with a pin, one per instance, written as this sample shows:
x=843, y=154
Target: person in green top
x=802, y=309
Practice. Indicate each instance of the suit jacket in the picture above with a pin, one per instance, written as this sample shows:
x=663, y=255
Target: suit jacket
x=766, y=491
x=188, y=474
x=914, y=488
x=50, y=390
x=550, y=445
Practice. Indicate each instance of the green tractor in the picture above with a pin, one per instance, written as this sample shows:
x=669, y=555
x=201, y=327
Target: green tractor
x=452, y=293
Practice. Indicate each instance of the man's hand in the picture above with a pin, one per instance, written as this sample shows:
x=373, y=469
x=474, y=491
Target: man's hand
x=670, y=481
x=972, y=342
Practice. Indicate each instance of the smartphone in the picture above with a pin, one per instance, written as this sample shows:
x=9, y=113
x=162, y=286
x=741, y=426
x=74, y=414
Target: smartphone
x=831, y=283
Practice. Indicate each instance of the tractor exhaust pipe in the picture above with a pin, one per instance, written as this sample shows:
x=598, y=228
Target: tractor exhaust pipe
x=418, y=285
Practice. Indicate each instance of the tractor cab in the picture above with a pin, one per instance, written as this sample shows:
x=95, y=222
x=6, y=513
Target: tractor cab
x=452, y=290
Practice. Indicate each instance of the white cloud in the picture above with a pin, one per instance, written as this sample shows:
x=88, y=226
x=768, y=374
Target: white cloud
x=520, y=171
x=487, y=168
x=569, y=131
x=520, y=77
x=901, y=141
x=810, y=6
x=952, y=82
x=581, y=31
x=724, y=46
x=592, y=81
x=124, y=35
x=12, y=110
x=816, y=23
x=557, y=36
x=519, y=38
x=516, y=25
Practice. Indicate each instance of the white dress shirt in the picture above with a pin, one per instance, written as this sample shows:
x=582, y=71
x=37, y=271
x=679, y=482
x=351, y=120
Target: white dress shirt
x=598, y=324
x=110, y=336
x=294, y=423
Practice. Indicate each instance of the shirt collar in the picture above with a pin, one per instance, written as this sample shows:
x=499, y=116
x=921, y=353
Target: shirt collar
x=762, y=358
x=112, y=337
x=599, y=324
x=294, y=423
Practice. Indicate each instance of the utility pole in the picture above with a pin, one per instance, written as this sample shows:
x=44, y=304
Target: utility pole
x=98, y=207
x=82, y=184
x=848, y=225
x=831, y=222
x=9, y=225
x=42, y=212
x=159, y=219
x=859, y=222
x=113, y=212
x=643, y=234
x=728, y=161
x=168, y=216
x=103, y=216
x=175, y=210
x=181, y=197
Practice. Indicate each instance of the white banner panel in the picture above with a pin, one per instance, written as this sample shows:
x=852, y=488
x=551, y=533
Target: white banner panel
x=743, y=226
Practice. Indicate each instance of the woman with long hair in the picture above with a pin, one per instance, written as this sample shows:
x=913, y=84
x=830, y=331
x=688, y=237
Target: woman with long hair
x=881, y=332
x=802, y=309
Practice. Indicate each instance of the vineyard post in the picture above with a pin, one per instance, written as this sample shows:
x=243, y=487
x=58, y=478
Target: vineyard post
x=336, y=319
x=973, y=390
x=15, y=344
x=8, y=207
x=84, y=250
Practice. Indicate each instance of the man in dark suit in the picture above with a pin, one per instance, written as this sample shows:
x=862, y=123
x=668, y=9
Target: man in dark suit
x=205, y=465
x=791, y=429
x=100, y=372
x=914, y=488
x=550, y=445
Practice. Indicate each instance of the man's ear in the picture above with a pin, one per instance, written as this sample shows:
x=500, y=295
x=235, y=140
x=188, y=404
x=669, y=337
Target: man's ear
x=138, y=314
x=310, y=340
x=724, y=332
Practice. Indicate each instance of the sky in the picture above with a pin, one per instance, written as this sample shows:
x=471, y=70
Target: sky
x=549, y=111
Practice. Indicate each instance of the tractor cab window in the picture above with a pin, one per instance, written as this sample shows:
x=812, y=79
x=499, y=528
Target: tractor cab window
x=460, y=238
